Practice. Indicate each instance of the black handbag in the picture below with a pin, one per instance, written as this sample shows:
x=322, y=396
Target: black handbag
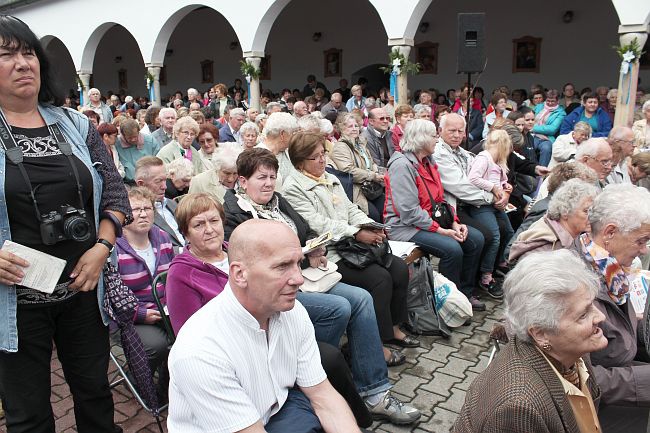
x=442, y=214
x=371, y=190
x=359, y=255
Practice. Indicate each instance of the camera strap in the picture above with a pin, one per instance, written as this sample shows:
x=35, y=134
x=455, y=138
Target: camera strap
x=15, y=155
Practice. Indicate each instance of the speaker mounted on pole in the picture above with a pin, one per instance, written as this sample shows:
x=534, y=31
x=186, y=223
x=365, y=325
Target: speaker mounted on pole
x=471, y=43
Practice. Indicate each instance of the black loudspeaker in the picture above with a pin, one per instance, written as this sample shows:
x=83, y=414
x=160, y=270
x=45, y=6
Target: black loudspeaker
x=471, y=42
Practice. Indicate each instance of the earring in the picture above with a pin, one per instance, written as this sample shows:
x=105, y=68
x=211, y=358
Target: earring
x=546, y=346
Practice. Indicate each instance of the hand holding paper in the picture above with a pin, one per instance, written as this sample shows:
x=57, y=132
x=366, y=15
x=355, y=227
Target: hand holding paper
x=41, y=271
x=11, y=268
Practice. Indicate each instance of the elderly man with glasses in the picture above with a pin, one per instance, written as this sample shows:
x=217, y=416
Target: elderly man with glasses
x=379, y=140
x=621, y=139
x=596, y=153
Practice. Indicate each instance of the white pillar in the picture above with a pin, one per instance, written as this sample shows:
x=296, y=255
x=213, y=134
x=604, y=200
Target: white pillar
x=254, y=60
x=403, y=46
x=85, y=84
x=626, y=98
x=155, y=72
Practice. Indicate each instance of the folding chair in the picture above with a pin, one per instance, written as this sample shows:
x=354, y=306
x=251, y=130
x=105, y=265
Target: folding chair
x=121, y=363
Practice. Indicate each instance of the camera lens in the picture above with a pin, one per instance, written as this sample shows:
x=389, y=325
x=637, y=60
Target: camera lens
x=77, y=228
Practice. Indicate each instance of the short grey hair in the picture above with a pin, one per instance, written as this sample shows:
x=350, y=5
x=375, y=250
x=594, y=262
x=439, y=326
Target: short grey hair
x=646, y=106
x=180, y=168
x=626, y=206
x=583, y=126
x=237, y=112
x=419, y=108
x=225, y=156
x=278, y=122
x=273, y=105
x=445, y=119
x=167, y=110
x=590, y=147
x=567, y=198
x=535, y=292
x=417, y=134
x=249, y=127
x=192, y=91
x=260, y=118
x=309, y=123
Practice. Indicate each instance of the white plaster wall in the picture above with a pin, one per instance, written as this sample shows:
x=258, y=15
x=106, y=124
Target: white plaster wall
x=578, y=52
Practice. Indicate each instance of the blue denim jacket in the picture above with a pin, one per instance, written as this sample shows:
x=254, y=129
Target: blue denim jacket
x=76, y=133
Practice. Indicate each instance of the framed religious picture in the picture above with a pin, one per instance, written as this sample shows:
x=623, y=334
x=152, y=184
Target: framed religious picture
x=426, y=54
x=526, y=54
x=265, y=68
x=332, y=62
x=207, y=71
x=122, y=79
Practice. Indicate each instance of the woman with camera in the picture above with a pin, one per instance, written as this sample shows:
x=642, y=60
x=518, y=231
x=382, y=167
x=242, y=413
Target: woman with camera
x=60, y=194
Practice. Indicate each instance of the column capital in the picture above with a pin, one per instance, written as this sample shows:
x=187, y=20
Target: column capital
x=254, y=61
x=634, y=28
x=401, y=41
x=155, y=71
x=626, y=38
x=249, y=54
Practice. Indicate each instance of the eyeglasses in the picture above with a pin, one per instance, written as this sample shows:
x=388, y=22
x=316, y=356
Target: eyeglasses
x=320, y=156
x=188, y=133
x=383, y=118
x=603, y=162
x=139, y=210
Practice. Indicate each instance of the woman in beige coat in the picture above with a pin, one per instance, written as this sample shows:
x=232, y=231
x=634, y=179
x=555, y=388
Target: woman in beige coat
x=351, y=155
x=641, y=127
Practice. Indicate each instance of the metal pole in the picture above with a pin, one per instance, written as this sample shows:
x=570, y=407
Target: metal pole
x=468, y=109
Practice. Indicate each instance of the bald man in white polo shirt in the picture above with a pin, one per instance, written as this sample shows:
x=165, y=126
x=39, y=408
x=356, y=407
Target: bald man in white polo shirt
x=248, y=360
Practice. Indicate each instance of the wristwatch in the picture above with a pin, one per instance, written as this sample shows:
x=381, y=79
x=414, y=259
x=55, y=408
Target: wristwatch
x=107, y=244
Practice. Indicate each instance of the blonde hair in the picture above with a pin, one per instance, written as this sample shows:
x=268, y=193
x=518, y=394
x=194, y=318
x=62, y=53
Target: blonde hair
x=499, y=141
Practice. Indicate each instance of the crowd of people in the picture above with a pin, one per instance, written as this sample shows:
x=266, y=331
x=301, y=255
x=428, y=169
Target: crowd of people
x=537, y=198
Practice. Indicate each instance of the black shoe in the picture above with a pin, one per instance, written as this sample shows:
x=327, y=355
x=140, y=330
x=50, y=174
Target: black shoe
x=477, y=305
x=493, y=289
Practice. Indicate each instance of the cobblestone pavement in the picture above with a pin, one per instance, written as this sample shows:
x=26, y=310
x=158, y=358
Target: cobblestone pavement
x=434, y=379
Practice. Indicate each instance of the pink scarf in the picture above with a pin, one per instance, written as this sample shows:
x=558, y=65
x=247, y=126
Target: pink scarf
x=542, y=116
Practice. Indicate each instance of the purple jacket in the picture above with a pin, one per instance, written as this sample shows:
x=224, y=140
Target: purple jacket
x=191, y=283
x=135, y=272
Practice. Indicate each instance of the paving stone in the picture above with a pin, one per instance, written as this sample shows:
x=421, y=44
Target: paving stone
x=480, y=338
x=426, y=401
x=468, y=351
x=408, y=384
x=464, y=385
x=456, y=367
x=440, y=353
x=441, y=421
x=441, y=384
x=455, y=402
x=424, y=368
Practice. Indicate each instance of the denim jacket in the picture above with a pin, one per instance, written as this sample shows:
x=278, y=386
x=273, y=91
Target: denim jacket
x=75, y=132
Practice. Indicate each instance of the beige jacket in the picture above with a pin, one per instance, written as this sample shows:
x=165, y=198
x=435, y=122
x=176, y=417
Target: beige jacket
x=641, y=133
x=352, y=162
x=324, y=206
x=172, y=151
x=208, y=182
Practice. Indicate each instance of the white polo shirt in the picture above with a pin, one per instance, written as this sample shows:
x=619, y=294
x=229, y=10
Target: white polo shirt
x=226, y=373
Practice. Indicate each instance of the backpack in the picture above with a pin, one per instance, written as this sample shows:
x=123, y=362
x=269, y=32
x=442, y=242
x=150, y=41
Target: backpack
x=423, y=319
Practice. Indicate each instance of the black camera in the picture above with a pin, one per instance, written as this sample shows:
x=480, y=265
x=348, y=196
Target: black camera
x=69, y=223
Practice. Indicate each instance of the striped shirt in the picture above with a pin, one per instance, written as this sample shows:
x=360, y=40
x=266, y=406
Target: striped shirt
x=226, y=373
x=135, y=272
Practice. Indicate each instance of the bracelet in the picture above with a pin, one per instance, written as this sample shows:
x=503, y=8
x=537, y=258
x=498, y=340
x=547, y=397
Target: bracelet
x=116, y=223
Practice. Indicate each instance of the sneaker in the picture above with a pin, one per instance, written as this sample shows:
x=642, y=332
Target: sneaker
x=477, y=305
x=493, y=289
x=393, y=410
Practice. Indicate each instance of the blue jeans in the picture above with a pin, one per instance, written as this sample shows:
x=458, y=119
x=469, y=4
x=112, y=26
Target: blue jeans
x=487, y=216
x=368, y=364
x=296, y=415
x=458, y=260
x=545, y=149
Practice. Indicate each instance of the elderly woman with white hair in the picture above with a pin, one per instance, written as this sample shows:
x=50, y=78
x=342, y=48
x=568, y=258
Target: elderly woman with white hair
x=641, y=127
x=417, y=212
x=179, y=175
x=224, y=175
x=357, y=100
x=249, y=132
x=566, y=145
x=566, y=218
x=542, y=380
x=185, y=131
x=277, y=132
x=422, y=111
x=620, y=231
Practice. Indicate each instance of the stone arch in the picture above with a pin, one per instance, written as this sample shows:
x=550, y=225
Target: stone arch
x=266, y=23
x=400, y=19
x=90, y=49
x=63, y=67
